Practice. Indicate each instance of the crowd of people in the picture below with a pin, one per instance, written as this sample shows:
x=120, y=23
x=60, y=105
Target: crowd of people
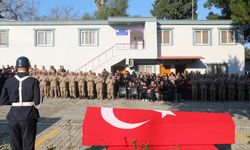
x=144, y=86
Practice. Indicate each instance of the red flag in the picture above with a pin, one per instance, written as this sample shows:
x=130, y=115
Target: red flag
x=123, y=127
x=176, y=147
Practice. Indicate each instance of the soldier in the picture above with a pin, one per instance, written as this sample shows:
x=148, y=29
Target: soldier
x=36, y=70
x=52, y=70
x=22, y=92
x=110, y=81
x=43, y=78
x=72, y=85
x=90, y=84
x=203, y=88
x=213, y=88
x=231, y=87
x=53, y=85
x=222, y=88
x=241, y=88
x=63, y=85
x=195, y=84
x=44, y=71
x=61, y=69
x=81, y=78
x=99, y=86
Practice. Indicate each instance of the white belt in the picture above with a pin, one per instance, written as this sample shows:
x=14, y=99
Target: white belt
x=23, y=104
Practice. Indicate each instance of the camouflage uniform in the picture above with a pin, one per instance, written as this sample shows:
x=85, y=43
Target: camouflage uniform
x=44, y=84
x=90, y=84
x=110, y=81
x=63, y=85
x=222, y=88
x=81, y=78
x=99, y=86
x=241, y=88
x=231, y=88
x=203, y=89
x=53, y=85
x=195, y=88
x=212, y=89
x=72, y=86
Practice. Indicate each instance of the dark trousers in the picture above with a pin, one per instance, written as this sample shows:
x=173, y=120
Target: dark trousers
x=23, y=134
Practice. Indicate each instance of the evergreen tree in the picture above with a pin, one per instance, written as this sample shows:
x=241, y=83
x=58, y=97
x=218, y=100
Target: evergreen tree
x=240, y=11
x=237, y=10
x=224, y=5
x=174, y=9
x=86, y=16
x=112, y=8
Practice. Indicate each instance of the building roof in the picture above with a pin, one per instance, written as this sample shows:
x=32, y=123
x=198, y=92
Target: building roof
x=195, y=22
x=116, y=20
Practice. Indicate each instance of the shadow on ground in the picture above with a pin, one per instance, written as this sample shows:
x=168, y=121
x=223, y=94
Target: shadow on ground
x=43, y=124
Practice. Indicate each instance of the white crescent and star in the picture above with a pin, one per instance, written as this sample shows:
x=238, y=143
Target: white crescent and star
x=109, y=116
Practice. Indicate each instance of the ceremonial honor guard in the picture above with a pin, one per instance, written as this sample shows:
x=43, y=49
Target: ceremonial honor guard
x=22, y=92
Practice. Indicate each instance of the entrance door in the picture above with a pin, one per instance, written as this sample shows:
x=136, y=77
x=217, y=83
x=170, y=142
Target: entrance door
x=136, y=39
x=180, y=68
x=165, y=69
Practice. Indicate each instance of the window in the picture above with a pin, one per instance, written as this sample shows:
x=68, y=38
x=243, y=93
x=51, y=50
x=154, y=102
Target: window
x=202, y=37
x=146, y=68
x=88, y=37
x=44, y=38
x=164, y=37
x=217, y=68
x=4, y=38
x=227, y=37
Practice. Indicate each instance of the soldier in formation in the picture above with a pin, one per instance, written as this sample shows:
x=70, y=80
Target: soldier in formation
x=188, y=86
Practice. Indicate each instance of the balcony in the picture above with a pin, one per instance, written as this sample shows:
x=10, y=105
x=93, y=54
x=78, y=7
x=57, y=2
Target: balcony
x=130, y=46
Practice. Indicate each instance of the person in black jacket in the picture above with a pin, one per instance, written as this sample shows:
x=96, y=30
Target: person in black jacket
x=23, y=93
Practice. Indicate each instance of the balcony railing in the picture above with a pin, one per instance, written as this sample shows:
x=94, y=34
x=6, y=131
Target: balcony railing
x=98, y=60
x=129, y=46
x=108, y=54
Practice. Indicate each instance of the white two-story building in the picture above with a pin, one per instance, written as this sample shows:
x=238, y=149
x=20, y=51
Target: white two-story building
x=144, y=44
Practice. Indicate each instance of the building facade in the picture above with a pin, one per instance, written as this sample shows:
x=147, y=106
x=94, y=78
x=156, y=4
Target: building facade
x=141, y=44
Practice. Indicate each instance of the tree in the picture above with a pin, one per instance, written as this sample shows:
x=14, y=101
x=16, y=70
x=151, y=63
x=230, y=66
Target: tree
x=237, y=10
x=224, y=5
x=13, y=9
x=174, y=9
x=19, y=9
x=31, y=10
x=65, y=12
x=240, y=11
x=1, y=9
x=241, y=15
x=100, y=4
x=112, y=8
x=68, y=13
x=86, y=16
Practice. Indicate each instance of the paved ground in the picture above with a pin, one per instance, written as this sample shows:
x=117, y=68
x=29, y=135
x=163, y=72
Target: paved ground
x=60, y=122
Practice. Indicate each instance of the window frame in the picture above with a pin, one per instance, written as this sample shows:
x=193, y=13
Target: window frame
x=202, y=40
x=162, y=37
x=52, y=44
x=217, y=68
x=96, y=38
x=227, y=37
x=7, y=43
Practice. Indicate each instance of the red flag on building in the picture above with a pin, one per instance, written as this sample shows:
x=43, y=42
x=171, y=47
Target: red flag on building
x=124, y=127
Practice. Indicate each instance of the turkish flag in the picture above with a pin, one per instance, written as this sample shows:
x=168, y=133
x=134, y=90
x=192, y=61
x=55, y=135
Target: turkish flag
x=127, y=127
x=169, y=147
